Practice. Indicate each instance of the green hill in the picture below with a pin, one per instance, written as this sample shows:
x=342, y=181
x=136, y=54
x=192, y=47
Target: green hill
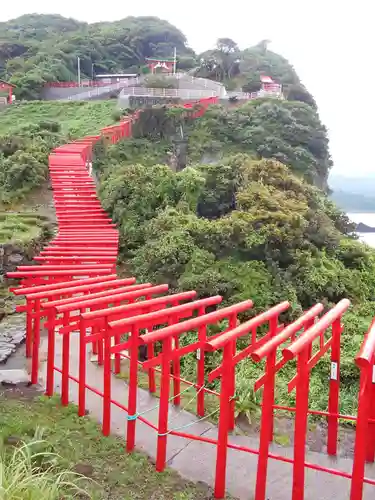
x=35, y=49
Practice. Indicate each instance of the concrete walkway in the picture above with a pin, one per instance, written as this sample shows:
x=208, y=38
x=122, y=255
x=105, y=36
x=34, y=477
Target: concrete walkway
x=195, y=460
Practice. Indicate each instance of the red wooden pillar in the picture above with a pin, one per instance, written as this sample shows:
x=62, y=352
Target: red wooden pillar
x=225, y=420
x=266, y=429
x=161, y=453
x=36, y=343
x=65, y=362
x=302, y=407
x=361, y=436
x=133, y=388
x=334, y=389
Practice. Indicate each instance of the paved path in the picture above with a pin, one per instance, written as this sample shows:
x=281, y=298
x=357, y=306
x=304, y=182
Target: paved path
x=196, y=461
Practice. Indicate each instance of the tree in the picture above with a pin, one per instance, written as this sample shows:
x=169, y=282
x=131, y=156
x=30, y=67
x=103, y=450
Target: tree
x=40, y=48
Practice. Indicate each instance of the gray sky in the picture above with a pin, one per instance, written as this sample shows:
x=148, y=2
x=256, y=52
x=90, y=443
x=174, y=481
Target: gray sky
x=330, y=45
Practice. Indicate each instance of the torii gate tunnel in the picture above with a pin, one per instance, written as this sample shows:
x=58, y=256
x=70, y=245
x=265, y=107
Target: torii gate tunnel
x=77, y=296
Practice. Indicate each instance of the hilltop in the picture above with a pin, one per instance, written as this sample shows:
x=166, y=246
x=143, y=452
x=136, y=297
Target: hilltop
x=35, y=49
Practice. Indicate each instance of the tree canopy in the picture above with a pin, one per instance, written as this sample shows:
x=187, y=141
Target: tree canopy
x=244, y=68
x=244, y=228
x=35, y=49
x=288, y=131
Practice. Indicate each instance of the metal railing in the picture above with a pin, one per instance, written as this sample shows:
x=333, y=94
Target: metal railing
x=181, y=93
x=257, y=95
x=98, y=91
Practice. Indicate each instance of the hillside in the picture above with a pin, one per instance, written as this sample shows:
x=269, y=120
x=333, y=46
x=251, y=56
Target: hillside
x=35, y=49
x=242, y=69
x=246, y=218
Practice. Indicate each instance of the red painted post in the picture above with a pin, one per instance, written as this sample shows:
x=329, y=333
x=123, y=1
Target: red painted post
x=224, y=421
x=356, y=492
x=132, y=389
x=370, y=455
x=365, y=360
x=266, y=429
x=302, y=407
x=334, y=389
x=161, y=452
x=50, y=357
x=106, y=429
x=65, y=364
x=29, y=327
x=36, y=343
x=232, y=423
x=202, y=336
x=82, y=369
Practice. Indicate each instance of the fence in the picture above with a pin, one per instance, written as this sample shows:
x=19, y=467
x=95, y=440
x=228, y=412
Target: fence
x=180, y=93
x=76, y=289
x=257, y=95
x=102, y=90
x=90, y=83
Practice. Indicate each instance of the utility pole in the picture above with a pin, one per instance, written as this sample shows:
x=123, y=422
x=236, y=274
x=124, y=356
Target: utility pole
x=174, y=60
x=79, y=70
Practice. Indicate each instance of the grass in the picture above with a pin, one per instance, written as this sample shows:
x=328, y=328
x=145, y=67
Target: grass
x=114, y=474
x=21, y=228
x=30, y=470
x=77, y=119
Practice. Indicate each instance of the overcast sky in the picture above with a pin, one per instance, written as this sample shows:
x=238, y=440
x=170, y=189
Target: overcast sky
x=330, y=45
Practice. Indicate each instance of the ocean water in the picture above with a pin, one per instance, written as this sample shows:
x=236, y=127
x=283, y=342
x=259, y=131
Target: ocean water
x=369, y=220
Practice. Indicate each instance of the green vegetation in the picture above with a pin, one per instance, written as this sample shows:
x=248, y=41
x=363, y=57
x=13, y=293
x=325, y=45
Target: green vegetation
x=75, y=119
x=242, y=69
x=35, y=49
x=252, y=223
x=29, y=131
x=21, y=228
x=28, y=472
x=290, y=132
x=77, y=445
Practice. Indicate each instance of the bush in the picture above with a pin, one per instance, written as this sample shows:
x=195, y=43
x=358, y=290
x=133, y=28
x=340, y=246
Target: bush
x=244, y=228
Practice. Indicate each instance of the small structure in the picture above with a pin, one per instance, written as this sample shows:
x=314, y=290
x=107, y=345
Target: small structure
x=269, y=86
x=164, y=65
x=7, y=87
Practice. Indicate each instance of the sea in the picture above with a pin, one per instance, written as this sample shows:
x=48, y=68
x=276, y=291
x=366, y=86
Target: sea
x=369, y=220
